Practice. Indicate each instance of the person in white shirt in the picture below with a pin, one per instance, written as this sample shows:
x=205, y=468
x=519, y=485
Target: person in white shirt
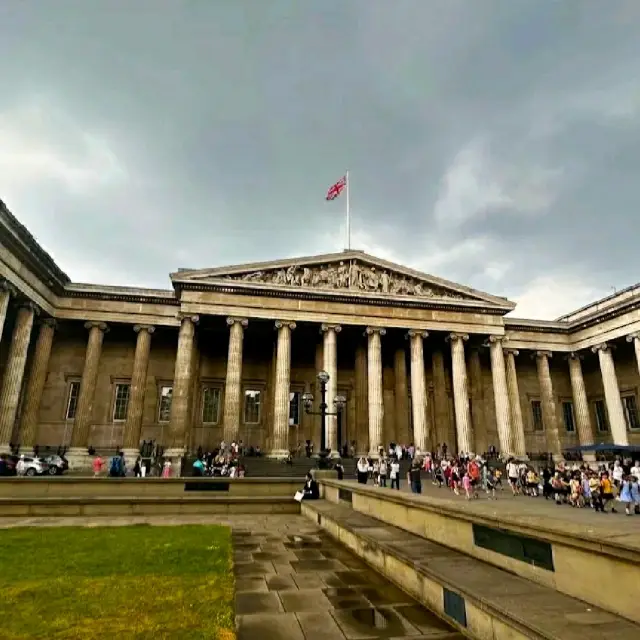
x=512, y=474
x=635, y=470
x=362, y=470
x=394, y=474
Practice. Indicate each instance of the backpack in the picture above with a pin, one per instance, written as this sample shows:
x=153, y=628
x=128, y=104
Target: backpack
x=115, y=466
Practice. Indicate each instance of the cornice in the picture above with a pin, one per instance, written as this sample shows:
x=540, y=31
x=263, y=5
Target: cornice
x=19, y=241
x=383, y=300
x=121, y=294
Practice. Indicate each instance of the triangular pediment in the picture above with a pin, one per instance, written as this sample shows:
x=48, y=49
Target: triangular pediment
x=350, y=272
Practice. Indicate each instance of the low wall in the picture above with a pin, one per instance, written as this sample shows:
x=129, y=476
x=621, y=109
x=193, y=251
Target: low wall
x=212, y=488
x=603, y=570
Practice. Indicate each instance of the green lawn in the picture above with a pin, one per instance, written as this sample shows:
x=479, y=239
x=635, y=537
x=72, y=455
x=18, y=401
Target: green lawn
x=120, y=582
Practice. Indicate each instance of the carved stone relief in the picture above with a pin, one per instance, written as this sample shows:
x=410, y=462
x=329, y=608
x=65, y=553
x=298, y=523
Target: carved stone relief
x=348, y=275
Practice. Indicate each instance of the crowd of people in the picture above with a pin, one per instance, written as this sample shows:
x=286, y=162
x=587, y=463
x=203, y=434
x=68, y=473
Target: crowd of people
x=574, y=483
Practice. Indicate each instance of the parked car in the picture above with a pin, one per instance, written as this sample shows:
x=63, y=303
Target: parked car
x=32, y=466
x=56, y=465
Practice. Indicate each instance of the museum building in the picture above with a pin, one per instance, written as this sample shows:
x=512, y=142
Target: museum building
x=233, y=352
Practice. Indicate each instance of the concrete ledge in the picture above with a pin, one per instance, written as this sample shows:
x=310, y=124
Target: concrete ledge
x=15, y=487
x=578, y=553
x=137, y=505
x=482, y=601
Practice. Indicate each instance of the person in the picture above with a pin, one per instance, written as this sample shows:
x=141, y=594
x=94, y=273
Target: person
x=413, y=477
x=339, y=469
x=137, y=468
x=97, y=465
x=382, y=469
x=311, y=490
x=198, y=467
x=395, y=474
x=117, y=469
x=362, y=470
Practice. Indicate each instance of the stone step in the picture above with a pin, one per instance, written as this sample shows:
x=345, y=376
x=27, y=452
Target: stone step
x=481, y=600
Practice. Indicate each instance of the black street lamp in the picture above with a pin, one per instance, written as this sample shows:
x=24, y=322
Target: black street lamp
x=339, y=401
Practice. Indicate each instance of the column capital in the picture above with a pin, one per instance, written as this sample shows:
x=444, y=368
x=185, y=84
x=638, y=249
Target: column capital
x=189, y=316
x=243, y=322
x=633, y=336
x=149, y=328
x=28, y=304
x=603, y=346
x=285, y=323
x=417, y=332
x=371, y=330
x=494, y=340
x=5, y=285
x=49, y=322
x=455, y=337
x=574, y=355
x=542, y=354
x=100, y=325
x=511, y=351
x=330, y=327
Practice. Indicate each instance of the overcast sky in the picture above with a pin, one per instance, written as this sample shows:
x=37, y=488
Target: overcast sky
x=491, y=142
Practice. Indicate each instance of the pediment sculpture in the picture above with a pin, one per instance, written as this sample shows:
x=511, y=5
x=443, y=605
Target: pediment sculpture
x=347, y=275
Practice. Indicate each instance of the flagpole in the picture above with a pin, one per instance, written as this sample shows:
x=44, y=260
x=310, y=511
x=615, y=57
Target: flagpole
x=348, y=214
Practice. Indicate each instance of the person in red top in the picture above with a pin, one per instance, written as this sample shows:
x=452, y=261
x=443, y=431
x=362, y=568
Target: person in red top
x=473, y=469
x=97, y=464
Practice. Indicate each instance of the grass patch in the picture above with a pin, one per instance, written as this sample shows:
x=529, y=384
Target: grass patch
x=121, y=582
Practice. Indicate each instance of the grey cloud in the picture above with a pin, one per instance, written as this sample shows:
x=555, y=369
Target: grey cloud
x=228, y=121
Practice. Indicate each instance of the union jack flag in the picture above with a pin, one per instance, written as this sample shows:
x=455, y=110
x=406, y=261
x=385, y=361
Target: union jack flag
x=336, y=189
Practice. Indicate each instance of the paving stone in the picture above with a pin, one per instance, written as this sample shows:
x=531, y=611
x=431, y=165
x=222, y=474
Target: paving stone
x=283, y=626
x=319, y=626
x=281, y=583
x=248, y=603
x=304, y=600
x=251, y=584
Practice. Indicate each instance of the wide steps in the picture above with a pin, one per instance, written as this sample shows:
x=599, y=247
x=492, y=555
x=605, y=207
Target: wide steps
x=480, y=599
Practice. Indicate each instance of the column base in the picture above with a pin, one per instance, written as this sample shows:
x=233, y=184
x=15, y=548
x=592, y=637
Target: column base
x=5, y=449
x=278, y=454
x=557, y=457
x=175, y=455
x=78, y=459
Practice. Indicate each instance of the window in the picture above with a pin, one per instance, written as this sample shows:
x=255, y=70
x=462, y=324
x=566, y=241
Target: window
x=536, y=412
x=211, y=404
x=601, y=416
x=294, y=408
x=121, y=401
x=72, y=400
x=567, y=414
x=631, y=412
x=251, y=406
x=164, y=406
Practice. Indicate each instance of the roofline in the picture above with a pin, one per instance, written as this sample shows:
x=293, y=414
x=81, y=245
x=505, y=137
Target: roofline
x=595, y=304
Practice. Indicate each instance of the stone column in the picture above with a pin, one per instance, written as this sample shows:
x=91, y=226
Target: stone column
x=35, y=385
x=233, y=384
x=330, y=351
x=421, y=438
x=376, y=402
x=280, y=439
x=133, y=422
x=501, y=396
x=441, y=403
x=14, y=373
x=401, y=396
x=581, y=405
x=182, y=375
x=362, y=404
x=549, y=415
x=615, y=410
x=478, y=418
x=78, y=455
x=635, y=338
x=517, y=423
x=7, y=290
x=461, y=393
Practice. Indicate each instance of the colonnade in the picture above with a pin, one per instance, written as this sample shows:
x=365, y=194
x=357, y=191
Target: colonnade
x=368, y=386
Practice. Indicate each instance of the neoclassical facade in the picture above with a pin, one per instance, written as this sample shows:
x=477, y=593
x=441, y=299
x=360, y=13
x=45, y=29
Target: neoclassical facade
x=227, y=353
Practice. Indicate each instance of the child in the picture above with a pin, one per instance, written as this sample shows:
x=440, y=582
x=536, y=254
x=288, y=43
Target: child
x=438, y=476
x=532, y=483
x=575, y=493
x=625, y=494
x=490, y=481
x=466, y=483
